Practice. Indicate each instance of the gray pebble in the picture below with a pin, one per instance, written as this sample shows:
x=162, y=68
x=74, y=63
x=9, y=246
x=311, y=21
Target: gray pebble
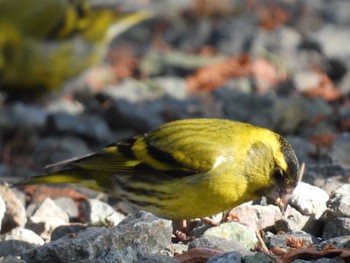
x=339, y=201
x=233, y=256
x=219, y=243
x=340, y=150
x=144, y=232
x=50, y=150
x=337, y=227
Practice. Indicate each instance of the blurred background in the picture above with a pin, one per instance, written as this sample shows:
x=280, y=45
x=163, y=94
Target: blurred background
x=77, y=75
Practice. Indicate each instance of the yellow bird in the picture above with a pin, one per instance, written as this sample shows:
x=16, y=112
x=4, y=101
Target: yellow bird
x=187, y=169
x=45, y=42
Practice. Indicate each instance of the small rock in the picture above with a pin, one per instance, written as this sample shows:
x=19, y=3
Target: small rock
x=257, y=216
x=176, y=248
x=2, y=210
x=258, y=258
x=337, y=47
x=62, y=231
x=156, y=259
x=325, y=176
x=68, y=205
x=338, y=242
x=140, y=117
x=88, y=127
x=131, y=90
x=233, y=257
x=46, y=218
x=339, y=202
x=337, y=227
x=11, y=259
x=14, y=247
x=54, y=149
x=234, y=33
x=313, y=203
x=290, y=113
x=15, y=214
x=243, y=107
x=158, y=63
x=144, y=232
x=306, y=80
x=320, y=260
x=25, y=115
x=336, y=12
x=340, y=150
x=125, y=255
x=17, y=241
x=62, y=122
x=303, y=149
x=219, y=243
x=66, y=105
x=23, y=234
x=98, y=211
x=170, y=87
x=344, y=88
x=235, y=232
x=295, y=221
x=283, y=241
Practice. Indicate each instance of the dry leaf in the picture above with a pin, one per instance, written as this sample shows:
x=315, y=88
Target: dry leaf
x=213, y=76
x=295, y=242
x=213, y=8
x=345, y=124
x=324, y=140
x=38, y=193
x=198, y=255
x=325, y=90
x=265, y=73
x=123, y=62
x=308, y=254
x=272, y=16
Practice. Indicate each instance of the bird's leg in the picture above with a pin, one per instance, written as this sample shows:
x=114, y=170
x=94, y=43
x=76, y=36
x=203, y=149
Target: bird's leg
x=181, y=231
x=210, y=221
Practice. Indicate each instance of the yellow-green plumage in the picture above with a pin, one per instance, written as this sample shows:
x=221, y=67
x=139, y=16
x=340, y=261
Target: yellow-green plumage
x=45, y=42
x=187, y=169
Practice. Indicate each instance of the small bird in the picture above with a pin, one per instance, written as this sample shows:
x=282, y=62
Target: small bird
x=46, y=42
x=187, y=169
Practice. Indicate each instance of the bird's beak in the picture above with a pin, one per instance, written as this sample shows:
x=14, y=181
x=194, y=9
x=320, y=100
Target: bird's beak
x=281, y=198
x=282, y=202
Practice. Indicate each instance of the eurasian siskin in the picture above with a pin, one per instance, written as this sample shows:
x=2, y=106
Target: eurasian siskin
x=187, y=169
x=45, y=42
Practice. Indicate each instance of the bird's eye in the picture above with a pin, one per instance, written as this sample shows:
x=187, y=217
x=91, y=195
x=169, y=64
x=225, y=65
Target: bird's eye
x=278, y=174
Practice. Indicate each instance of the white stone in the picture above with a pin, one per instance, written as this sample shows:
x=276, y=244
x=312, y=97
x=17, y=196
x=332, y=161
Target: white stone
x=339, y=201
x=46, y=218
x=23, y=235
x=309, y=200
x=102, y=212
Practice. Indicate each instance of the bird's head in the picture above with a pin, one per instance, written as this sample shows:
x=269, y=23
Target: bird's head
x=285, y=175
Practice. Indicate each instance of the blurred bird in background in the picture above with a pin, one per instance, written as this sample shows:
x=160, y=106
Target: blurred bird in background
x=46, y=42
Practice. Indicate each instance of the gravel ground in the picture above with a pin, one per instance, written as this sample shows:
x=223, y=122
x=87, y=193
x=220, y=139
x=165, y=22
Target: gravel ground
x=278, y=64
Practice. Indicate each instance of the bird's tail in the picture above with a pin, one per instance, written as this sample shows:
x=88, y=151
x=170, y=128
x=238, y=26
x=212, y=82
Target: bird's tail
x=70, y=176
x=96, y=171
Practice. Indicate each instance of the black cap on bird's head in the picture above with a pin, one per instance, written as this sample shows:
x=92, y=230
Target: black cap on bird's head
x=286, y=179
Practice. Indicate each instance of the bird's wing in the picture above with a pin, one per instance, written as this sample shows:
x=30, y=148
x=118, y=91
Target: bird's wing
x=182, y=151
x=192, y=145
